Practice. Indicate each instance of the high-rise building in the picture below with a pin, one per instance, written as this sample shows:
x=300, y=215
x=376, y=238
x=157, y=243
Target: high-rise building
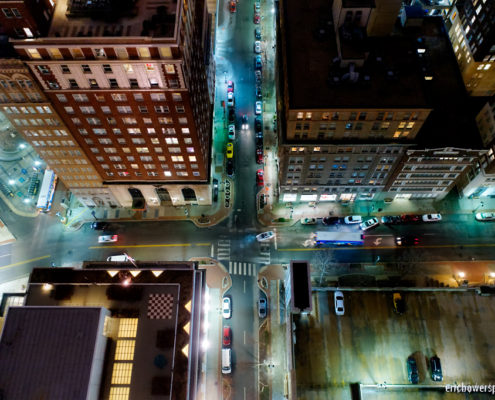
x=471, y=27
x=25, y=18
x=129, y=80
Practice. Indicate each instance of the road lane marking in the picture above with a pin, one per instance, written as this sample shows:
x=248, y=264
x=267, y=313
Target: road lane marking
x=244, y=286
x=141, y=245
x=244, y=337
x=24, y=262
x=202, y=244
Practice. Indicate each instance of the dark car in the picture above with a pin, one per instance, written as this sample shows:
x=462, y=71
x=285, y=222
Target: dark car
x=99, y=226
x=412, y=370
x=330, y=220
x=258, y=64
x=259, y=78
x=410, y=218
x=436, y=369
x=231, y=116
x=258, y=127
x=407, y=240
x=257, y=34
x=391, y=219
x=258, y=93
x=230, y=167
x=259, y=141
x=259, y=155
x=215, y=189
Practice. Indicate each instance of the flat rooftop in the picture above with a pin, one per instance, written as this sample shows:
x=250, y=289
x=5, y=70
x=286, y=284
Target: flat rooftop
x=389, y=78
x=160, y=313
x=116, y=18
x=48, y=352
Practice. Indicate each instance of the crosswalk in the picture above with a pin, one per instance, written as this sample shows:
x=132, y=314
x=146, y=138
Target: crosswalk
x=223, y=250
x=242, y=268
x=265, y=253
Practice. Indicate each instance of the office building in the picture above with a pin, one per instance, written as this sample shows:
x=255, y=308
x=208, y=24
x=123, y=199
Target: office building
x=129, y=80
x=107, y=331
x=25, y=18
x=471, y=27
x=486, y=122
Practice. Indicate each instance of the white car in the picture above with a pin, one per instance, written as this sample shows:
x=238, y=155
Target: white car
x=108, y=238
x=231, y=132
x=226, y=307
x=258, y=108
x=353, y=219
x=432, y=217
x=257, y=47
x=230, y=99
x=486, y=216
x=368, y=224
x=309, y=221
x=265, y=236
x=339, y=302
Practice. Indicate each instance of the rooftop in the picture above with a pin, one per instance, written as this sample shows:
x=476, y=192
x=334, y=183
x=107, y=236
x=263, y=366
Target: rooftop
x=389, y=78
x=94, y=18
x=159, y=311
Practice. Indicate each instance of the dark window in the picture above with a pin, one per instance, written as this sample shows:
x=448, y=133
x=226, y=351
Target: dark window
x=86, y=69
x=73, y=84
x=65, y=69
x=113, y=83
x=107, y=68
x=134, y=83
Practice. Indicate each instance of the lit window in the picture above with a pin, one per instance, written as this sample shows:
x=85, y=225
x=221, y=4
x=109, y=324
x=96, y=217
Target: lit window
x=128, y=68
x=192, y=158
x=34, y=54
x=300, y=115
x=119, y=393
x=144, y=52
x=169, y=68
x=28, y=32
x=100, y=53
x=121, y=374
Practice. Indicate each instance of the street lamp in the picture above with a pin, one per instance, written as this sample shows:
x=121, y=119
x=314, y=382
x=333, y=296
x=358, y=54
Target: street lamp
x=22, y=146
x=461, y=275
x=11, y=181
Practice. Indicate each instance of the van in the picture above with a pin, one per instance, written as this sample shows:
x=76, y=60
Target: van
x=119, y=258
x=226, y=361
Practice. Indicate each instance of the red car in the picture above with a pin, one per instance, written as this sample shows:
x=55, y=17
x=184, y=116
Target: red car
x=410, y=218
x=259, y=177
x=259, y=155
x=226, y=336
x=232, y=6
x=256, y=18
x=230, y=86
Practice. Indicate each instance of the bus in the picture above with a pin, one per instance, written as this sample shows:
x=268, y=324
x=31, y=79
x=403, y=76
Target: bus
x=47, y=191
x=339, y=238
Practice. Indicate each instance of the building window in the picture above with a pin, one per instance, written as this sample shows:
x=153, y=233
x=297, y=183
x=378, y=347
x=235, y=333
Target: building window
x=119, y=97
x=143, y=109
x=144, y=53
x=124, y=109
x=100, y=53
x=300, y=115
x=80, y=97
x=34, y=54
x=153, y=82
x=86, y=69
x=73, y=84
x=138, y=97
x=7, y=12
x=169, y=68
x=133, y=83
x=113, y=83
x=107, y=68
x=62, y=98
x=65, y=69
x=93, y=84
x=176, y=97
x=180, y=109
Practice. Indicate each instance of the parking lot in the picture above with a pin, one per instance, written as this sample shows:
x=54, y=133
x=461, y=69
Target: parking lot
x=370, y=344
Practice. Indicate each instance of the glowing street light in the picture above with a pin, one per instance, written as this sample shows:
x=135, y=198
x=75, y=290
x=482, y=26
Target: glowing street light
x=462, y=274
x=11, y=181
x=22, y=146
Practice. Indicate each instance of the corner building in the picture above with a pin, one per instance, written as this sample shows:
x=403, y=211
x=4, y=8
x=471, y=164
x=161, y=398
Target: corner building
x=129, y=80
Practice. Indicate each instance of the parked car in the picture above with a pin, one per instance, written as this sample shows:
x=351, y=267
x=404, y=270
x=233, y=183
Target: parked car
x=99, y=226
x=262, y=237
x=227, y=336
x=399, y=303
x=215, y=189
x=258, y=127
x=410, y=218
x=226, y=307
x=108, y=238
x=231, y=132
x=436, y=369
x=258, y=93
x=412, y=370
x=259, y=177
x=486, y=216
x=257, y=6
x=338, y=298
x=230, y=99
x=432, y=217
x=353, y=219
x=230, y=150
x=259, y=155
x=309, y=221
x=230, y=167
x=257, y=47
x=256, y=18
x=262, y=308
x=407, y=240
x=230, y=86
x=257, y=33
x=231, y=116
x=232, y=6
x=391, y=219
x=330, y=220
x=258, y=108
x=368, y=224
x=258, y=76
x=258, y=63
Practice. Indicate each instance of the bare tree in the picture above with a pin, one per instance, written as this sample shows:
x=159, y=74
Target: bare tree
x=322, y=261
